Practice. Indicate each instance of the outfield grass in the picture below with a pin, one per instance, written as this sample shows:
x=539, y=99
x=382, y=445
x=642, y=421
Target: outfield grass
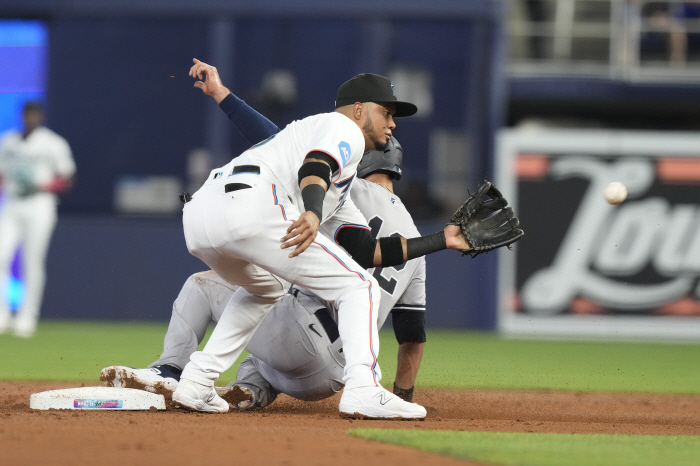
x=525, y=449
x=78, y=350
x=459, y=360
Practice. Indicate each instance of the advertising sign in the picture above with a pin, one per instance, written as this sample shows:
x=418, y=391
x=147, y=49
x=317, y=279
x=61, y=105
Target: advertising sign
x=589, y=268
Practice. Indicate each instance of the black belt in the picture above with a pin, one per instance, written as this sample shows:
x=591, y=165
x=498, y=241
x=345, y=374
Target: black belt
x=246, y=169
x=235, y=187
x=241, y=169
x=324, y=316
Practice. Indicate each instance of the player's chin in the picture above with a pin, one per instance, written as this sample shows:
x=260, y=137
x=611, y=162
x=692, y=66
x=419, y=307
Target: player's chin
x=380, y=144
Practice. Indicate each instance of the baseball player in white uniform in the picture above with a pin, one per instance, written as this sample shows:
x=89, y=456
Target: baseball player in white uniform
x=297, y=349
x=35, y=163
x=280, y=191
x=237, y=220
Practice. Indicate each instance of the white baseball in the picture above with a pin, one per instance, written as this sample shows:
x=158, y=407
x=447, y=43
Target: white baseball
x=615, y=192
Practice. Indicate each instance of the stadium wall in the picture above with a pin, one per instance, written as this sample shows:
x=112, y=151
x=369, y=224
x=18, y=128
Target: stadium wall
x=118, y=91
x=110, y=268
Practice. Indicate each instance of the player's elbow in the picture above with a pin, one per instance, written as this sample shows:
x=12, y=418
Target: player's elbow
x=314, y=172
x=359, y=243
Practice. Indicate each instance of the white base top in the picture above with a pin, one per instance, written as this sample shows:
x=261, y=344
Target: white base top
x=123, y=399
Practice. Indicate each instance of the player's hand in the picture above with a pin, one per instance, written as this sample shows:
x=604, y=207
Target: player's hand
x=209, y=80
x=454, y=238
x=301, y=233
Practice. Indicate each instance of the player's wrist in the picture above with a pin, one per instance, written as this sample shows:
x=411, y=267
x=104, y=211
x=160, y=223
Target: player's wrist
x=314, y=220
x=220, y=94
x=454, y=238
x=423, y=245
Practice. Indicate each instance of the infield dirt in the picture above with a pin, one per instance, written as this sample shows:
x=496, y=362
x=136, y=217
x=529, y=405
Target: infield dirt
x=291, y=432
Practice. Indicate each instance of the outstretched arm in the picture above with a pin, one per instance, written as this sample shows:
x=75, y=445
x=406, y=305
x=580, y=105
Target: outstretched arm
x=480, y=225
x=394, y=250
x=252, y=125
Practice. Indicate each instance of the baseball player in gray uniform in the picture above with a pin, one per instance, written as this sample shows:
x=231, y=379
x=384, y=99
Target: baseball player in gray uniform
x=297, y=349
x=35, y=164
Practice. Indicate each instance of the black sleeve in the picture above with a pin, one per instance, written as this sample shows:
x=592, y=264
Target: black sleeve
x=325, y=157
x=359, y=243
x=409, y=326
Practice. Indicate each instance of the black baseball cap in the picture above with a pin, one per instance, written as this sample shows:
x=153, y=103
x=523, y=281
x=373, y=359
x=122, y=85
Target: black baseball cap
x=368, y=87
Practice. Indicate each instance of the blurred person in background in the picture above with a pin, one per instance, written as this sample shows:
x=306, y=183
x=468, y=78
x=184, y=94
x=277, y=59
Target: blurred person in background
x=35, y=164
x=536, y=14
x=668, y=37
x=682, y=41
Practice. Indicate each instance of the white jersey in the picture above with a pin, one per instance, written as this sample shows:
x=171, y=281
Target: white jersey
x=26, y=165
x=403, y=286
x=283, y=154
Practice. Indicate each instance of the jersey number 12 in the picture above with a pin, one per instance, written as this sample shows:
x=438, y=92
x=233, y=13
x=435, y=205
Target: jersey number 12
x=388, y=285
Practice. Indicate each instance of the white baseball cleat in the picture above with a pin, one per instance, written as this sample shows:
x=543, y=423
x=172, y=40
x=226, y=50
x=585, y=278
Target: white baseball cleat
x=198, y=397
x=150, y=380
x=377, y=403
x=237, y=397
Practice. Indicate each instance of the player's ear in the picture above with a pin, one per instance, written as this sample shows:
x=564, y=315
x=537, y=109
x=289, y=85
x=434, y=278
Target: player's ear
x=358, y=110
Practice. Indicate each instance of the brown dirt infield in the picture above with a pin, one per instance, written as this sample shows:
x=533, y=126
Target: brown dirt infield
x=291, y=432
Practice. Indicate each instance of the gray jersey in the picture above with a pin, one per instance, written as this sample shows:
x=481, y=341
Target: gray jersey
x=296, y=349
x=403, y=286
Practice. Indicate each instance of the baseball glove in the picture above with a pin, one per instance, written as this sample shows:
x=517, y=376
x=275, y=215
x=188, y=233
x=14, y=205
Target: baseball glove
x=487, y=224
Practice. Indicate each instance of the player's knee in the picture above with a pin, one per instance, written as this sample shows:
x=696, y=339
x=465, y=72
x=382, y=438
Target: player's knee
x=269, y=289
x=370, y=283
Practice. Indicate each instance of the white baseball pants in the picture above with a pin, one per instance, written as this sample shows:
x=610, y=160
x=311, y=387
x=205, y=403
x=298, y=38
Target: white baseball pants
x=28, y=222
x=237, y=234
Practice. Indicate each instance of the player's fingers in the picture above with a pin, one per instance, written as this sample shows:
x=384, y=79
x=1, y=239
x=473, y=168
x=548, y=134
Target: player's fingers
x=196, y=69
x=302, y=247
x=289, y=236
x=293, y=227
x=295, y=237
x=199, y=85
x=294, y=242
x=298, y=236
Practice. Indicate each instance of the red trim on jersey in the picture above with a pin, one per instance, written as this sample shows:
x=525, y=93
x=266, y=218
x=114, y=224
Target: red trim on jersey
x=371, y=347
x=274, y=194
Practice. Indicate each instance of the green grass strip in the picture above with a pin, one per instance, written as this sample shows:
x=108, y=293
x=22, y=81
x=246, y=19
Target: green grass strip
x=456, y=359
x=77, y=351
x=534, y=449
